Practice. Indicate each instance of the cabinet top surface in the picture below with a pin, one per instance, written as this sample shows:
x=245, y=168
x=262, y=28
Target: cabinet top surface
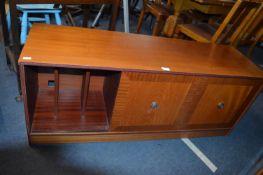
x=61, y=46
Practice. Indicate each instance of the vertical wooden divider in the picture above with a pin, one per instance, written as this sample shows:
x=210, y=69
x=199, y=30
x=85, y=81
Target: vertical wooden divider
x=84, y=92
x=56, y=92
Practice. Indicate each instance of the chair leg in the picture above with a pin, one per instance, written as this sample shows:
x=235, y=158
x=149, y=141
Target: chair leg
x=157, y=27
x=253, y=45
x=47, y=18
x=251, y=49
x=57, y=18
x=140, y=21
x=177, y=33
x=24, y=28
x=169, y=27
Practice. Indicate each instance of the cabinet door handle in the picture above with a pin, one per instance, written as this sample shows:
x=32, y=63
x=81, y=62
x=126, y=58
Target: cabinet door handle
x=154, y=105
x=220, y=105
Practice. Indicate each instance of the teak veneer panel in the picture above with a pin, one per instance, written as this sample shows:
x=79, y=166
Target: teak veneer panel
x=134, y=102
x=201, y=108
x=185, y=102
x=63, y=46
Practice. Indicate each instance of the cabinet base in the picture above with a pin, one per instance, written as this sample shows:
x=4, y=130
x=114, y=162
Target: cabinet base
x=49, y=138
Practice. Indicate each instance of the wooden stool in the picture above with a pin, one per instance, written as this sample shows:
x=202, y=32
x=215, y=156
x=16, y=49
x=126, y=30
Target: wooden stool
x=28, y=9
x=159, y=11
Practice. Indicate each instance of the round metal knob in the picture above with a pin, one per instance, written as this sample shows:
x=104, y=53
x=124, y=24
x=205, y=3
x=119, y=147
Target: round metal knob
x=154, y=105
x=220, y=105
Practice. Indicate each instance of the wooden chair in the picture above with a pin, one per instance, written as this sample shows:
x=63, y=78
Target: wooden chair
x=231, y=30
x=254, y=33
x=157, y=9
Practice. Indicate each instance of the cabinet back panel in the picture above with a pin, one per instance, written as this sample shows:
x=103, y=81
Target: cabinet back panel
x=69, y=82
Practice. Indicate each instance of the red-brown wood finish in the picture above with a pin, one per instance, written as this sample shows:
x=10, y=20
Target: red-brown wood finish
x=62, y=46
x=137, y=95
x=103, y=86
x=185, y=102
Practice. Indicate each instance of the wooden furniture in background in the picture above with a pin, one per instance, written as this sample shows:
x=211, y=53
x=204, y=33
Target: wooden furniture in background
x=108, y=86
x=216, y=2
x=31, y=13
x=254, y=33
x=231, y=29
x=14, y=14
x=207, y=7
x=260, y=171
x=157, y=9
x=4, y=22
x=10, y=57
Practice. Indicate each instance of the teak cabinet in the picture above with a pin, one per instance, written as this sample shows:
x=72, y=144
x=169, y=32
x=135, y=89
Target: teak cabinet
x=88, y=85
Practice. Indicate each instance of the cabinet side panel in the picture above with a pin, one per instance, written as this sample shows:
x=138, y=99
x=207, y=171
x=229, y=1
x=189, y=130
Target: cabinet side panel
x=29, y=84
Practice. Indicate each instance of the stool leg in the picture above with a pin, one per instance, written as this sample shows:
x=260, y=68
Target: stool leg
x=47, y=18
x=8, y=19
x=58, y=19
x=29, y=24
x=140, y=21
x=23, y=34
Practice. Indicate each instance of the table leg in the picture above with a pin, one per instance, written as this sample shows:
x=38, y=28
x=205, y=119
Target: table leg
x=4, y=23
x=115, y=12
x=86, y=15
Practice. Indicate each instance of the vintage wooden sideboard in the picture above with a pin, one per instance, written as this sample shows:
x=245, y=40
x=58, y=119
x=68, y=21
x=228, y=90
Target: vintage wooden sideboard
x=84, y=85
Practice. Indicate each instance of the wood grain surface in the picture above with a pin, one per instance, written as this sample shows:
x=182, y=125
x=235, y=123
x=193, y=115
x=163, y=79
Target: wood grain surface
x=63, y=46
x=91, y=85
x=49, y=138
x=137, y=92
x=184, y=102
x=68, y=112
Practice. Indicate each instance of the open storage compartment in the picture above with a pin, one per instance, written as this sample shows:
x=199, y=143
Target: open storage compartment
x=68, y=100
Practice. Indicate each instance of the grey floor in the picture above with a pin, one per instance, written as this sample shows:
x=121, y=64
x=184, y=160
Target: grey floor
x=233, y=154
